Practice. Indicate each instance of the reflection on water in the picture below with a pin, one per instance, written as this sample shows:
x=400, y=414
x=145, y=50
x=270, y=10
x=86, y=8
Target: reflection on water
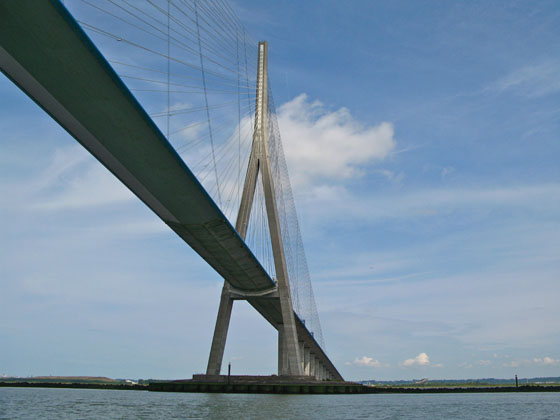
x=62, y=404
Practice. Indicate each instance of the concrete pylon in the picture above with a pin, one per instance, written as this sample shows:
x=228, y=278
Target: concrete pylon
x=290, y=356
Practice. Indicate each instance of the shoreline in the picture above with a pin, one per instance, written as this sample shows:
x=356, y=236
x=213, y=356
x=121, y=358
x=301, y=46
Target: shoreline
x=25, y=384
x=284, y=388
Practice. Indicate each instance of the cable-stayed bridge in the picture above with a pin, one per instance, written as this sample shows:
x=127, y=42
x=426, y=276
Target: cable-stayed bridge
x=173, y=97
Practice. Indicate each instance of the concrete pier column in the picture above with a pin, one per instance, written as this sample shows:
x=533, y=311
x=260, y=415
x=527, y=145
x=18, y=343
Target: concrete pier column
x=301, y=352
x=282, y=352
x=306, y=362
x=312, y=371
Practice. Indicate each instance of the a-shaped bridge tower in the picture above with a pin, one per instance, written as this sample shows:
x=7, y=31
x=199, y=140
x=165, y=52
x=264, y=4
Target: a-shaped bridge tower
x=293, y=357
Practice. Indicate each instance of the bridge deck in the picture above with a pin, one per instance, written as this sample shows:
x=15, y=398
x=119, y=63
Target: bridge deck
x=47, y=54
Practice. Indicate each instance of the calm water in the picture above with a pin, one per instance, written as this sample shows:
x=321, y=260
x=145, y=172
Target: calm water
x=60, y=404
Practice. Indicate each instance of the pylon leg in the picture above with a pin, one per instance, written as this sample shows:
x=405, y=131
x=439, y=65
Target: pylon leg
x=282, y=362
x=220, y=333
x=291, y=356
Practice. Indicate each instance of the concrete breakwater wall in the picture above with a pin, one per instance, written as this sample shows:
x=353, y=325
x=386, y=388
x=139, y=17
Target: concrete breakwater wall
x=257, y=388
x=280, y=387
x=324, y=387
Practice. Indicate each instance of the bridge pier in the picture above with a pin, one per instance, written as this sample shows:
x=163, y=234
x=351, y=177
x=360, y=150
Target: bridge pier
x=306, y=361
x=312, y=364
x=301, y=353
x=282, y=353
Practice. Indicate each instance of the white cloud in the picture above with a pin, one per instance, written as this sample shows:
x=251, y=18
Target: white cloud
x=532, y=81
x=368, y=362
x=73, y=179
x=421, y=360
x=322, y=144
x=67, y=178
x=64, y=161
x=546, y=361
x=391, y=175
x=184, y=132
x=484, y=363
x=93, y=186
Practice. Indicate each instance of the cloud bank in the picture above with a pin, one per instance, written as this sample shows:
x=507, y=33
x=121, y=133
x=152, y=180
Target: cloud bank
x=537, y=361
x=547, y=361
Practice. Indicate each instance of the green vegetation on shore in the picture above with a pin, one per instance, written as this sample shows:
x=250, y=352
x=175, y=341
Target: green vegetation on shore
x=66, y=379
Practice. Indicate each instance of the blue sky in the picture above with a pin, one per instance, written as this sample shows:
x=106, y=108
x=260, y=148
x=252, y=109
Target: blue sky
x=423, y=143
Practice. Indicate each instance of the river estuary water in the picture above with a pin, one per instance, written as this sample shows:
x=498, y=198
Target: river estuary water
x=62, y=404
